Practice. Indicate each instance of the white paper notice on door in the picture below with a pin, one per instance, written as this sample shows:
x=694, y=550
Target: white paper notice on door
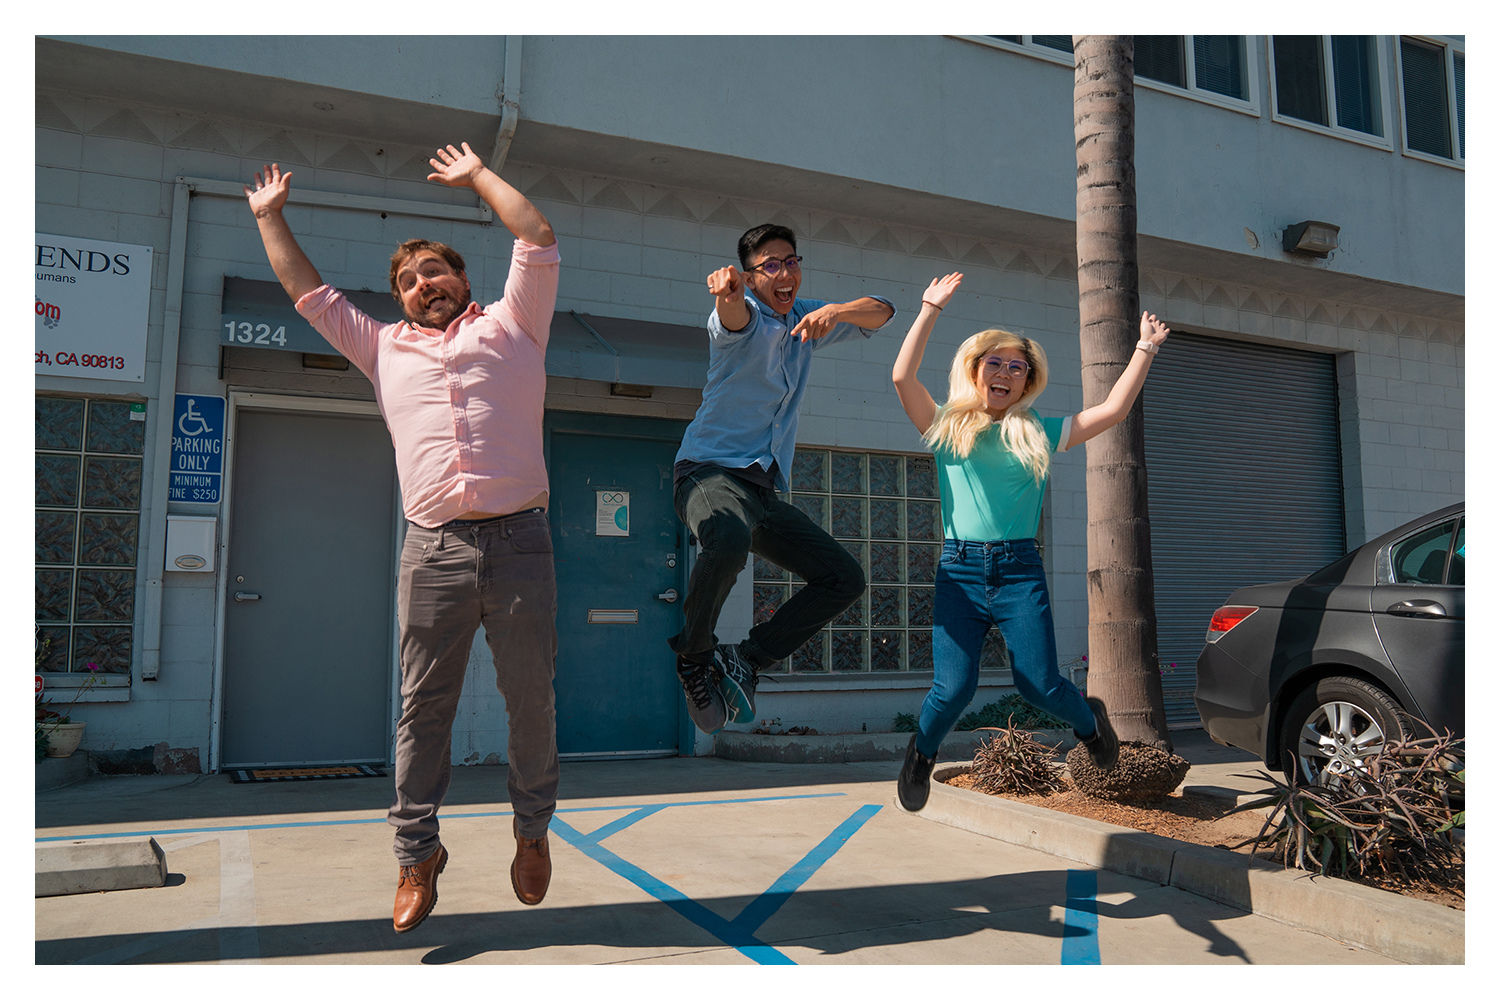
x=612, y=513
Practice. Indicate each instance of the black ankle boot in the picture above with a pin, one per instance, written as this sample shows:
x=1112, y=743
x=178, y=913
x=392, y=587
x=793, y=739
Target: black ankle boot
x=916, y=774
x=1104, y=745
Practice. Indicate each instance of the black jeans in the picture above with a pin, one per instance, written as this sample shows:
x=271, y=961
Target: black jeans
x=731, y=519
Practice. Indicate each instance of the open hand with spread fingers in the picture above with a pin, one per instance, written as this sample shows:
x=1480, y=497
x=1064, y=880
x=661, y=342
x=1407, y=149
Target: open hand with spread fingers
x=940, y=292
x=271, y=190
x=1153, y=330
x=456, y=169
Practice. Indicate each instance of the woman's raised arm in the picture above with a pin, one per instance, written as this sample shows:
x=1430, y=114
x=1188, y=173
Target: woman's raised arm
x=915, y=399
x=1098, y=419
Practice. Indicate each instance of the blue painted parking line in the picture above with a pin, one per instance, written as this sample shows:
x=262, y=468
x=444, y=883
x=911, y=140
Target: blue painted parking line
x=382, y=819
x=738, y=933
x=1080, y=943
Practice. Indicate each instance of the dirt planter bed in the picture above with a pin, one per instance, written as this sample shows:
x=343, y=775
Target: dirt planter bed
x=1408, y=930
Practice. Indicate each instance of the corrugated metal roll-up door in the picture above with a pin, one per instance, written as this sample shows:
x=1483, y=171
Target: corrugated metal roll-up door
x=1243, y=469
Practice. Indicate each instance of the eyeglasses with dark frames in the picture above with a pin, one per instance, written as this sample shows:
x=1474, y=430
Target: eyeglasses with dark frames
x=773, y=266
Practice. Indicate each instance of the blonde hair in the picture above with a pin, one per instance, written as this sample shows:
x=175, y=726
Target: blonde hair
x=960, y=420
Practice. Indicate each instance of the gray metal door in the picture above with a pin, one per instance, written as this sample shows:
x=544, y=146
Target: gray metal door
x=308, y=613
x=1242, y=457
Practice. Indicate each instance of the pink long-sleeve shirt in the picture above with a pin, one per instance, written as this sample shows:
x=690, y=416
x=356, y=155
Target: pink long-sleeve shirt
x=463, y=405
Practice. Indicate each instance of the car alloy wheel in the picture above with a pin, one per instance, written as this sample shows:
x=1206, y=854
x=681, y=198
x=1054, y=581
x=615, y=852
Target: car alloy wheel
x=1334, y=727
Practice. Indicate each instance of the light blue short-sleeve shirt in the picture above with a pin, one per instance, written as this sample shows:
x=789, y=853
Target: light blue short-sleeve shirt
x=756, y=380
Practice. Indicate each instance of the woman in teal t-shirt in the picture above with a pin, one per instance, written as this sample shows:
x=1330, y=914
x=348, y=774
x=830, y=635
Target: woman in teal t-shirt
x=993, y=453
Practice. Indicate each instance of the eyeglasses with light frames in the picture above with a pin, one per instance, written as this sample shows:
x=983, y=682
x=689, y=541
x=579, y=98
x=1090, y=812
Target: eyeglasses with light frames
x=773, y=266
x=994, y=367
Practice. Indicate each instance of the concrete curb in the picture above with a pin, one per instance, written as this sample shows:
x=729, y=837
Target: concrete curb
x=844, y=748
x=1407, y=930
x=72, y=866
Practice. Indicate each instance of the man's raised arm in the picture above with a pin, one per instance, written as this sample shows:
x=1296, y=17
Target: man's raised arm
x=293, y=269
x=520, y=216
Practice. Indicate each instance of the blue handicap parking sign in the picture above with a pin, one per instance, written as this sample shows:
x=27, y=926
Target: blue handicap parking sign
x=197, y=449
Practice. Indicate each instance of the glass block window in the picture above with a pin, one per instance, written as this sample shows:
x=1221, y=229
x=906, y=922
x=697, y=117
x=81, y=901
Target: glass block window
x=884, y=509
x=88, y=516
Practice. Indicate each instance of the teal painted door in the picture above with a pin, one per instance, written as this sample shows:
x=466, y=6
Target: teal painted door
x=617, y=691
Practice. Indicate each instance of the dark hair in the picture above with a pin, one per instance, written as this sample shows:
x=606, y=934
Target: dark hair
x=406, y=251
x=758, y=237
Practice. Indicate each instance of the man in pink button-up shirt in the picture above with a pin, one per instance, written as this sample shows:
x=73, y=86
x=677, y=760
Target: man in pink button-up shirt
x=461, y=391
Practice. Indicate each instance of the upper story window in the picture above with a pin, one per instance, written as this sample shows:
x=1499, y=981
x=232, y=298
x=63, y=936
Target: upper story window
x=1216, y=68
x=1331, y=81
x=1207, y=64
x=1432, y=97
x=1057, y=43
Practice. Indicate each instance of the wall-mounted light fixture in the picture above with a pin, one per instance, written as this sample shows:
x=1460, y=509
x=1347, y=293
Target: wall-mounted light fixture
x=1316, y=239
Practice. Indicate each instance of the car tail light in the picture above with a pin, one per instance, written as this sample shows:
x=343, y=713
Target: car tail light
x=1227, y=618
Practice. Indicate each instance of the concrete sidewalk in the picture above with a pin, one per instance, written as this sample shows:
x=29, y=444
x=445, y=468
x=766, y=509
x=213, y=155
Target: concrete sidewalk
x=680, y=861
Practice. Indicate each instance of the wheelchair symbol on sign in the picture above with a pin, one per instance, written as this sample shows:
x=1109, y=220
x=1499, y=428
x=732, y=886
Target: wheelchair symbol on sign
x=194, y=416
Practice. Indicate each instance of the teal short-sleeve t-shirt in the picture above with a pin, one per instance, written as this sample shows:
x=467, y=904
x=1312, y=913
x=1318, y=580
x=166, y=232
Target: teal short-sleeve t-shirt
x=990, y=496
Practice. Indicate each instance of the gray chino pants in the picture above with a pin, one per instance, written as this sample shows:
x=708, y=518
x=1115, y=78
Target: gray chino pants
x=498, y=574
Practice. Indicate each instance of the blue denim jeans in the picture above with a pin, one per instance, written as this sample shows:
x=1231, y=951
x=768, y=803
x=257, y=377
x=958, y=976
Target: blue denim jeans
x=980, y=584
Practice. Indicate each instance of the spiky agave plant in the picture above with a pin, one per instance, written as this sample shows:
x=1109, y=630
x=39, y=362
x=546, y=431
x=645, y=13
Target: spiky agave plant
x=1396, y=821
x=1012, y=762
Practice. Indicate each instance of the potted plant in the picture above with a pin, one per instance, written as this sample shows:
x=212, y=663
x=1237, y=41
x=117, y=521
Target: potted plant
x=57, y=735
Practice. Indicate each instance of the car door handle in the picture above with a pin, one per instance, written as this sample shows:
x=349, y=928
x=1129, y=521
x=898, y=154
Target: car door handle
x=1418, y=609
x=670, y=596
x=240, y=595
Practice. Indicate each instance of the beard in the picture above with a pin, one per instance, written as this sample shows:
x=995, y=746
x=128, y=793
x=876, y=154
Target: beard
x=440, y=317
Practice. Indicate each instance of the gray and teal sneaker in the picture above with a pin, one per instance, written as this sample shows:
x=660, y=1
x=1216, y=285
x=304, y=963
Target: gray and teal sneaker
x=736, y=683
x=705, y=704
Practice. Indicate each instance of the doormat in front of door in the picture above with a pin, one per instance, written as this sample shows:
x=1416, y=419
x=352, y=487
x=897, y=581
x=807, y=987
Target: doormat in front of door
x=247, y=774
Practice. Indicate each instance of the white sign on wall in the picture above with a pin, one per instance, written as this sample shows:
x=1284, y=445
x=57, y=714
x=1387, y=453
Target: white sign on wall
x=93, y=300
x=612, y=513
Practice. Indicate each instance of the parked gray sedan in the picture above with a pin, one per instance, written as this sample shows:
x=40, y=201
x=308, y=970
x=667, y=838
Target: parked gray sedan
x=1314, y=675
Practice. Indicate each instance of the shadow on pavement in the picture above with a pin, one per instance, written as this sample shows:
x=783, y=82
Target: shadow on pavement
x=829, y=921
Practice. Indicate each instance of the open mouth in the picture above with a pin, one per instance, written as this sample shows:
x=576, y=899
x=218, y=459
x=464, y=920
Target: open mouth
x=783, y=295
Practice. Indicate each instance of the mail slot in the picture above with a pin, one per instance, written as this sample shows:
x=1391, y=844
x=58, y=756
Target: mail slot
x=602, y=617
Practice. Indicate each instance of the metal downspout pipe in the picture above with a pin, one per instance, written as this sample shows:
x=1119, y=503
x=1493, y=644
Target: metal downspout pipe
x=166, y=404
x=510, y=102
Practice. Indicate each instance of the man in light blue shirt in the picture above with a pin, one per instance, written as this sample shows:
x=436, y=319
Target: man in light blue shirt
x=734, y=457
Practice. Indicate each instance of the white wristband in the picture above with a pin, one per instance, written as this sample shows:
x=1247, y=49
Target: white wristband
x=1146, y=346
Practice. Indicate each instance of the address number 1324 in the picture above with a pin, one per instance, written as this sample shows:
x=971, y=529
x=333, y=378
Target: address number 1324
x=255, y=333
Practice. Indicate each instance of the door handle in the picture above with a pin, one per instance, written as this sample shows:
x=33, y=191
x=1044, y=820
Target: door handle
x=670, y=596
x=240, y=595
x=1418, y=609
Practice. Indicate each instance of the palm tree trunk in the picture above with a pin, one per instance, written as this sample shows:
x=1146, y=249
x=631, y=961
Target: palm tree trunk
x=1123, y=668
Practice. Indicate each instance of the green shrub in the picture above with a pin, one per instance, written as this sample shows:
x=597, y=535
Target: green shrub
x=905, y=723
x=999, y=714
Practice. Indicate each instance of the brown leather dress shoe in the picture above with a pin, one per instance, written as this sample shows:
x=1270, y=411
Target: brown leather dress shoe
x=416, y=893
x=531, y=872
